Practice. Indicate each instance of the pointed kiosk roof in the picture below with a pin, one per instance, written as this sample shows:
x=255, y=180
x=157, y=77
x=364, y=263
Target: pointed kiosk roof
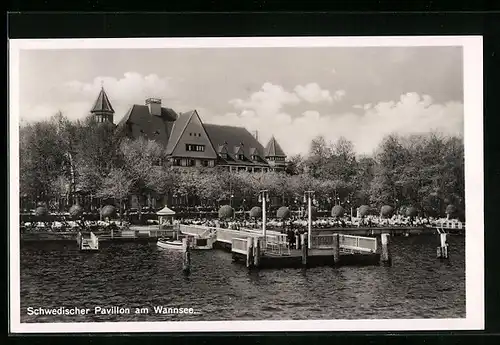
x=165, y=212
x=273, y=149
x=102, y=104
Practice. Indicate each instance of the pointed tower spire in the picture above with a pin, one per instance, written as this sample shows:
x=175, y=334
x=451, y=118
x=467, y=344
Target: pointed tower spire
x=273, y=149
x=102, y=109
x=274, y=154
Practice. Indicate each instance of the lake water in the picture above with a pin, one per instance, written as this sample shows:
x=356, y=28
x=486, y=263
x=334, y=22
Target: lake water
x=133, y=275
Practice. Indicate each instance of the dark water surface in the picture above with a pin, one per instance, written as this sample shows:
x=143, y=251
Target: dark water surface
x=133, y=275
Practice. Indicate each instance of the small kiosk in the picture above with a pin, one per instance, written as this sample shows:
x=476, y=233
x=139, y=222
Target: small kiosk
x=166, y=222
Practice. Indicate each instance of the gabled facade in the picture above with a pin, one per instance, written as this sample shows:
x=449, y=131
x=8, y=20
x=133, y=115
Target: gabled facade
x=191, y=143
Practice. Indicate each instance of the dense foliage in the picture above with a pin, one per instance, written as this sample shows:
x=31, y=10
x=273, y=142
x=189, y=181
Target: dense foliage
x=60, y=158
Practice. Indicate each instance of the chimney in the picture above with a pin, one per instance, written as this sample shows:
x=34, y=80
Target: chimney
x=154, y=105
x=256, y=135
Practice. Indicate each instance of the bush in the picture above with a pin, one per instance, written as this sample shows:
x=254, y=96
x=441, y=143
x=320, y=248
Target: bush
x=283, y=212
x=256, y=212
x=386, y=211
x=337, y=211
x=75, y=211
x=108, y=211
x=41, y=211
x=226, y=211
x=364, y=210
x=451, y=210
x=411, y=211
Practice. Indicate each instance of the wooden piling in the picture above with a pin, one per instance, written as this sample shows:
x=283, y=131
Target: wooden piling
x=186, y=264
x=256, y=252
x=336, y=249
x=442, y=250
x=386, y=255
x=303, y=242
x=249, y=252
x=297, y=241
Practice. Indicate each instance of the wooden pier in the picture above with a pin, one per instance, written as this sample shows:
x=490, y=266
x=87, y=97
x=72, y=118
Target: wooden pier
x=256, y=251
x=87, y=243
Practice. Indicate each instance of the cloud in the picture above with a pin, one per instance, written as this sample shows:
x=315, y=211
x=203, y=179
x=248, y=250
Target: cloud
x=313, y=93
x=411, y=113
x=339, y=94
x=269, y=99
x=334, y=71
x=76, y=98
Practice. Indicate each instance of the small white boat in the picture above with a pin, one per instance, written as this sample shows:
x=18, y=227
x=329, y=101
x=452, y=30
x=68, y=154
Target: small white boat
x=169, y=244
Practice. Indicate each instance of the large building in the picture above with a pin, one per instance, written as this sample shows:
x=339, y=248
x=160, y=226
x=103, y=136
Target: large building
x=190, y=142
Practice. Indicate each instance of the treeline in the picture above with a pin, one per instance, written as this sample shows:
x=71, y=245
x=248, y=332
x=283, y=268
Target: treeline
x=59, y=157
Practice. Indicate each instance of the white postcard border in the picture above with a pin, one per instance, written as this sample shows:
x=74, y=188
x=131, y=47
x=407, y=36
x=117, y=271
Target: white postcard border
x=473, y=138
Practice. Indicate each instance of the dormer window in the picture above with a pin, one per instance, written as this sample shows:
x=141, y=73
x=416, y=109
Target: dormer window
x=240, y=157
x=223, y=155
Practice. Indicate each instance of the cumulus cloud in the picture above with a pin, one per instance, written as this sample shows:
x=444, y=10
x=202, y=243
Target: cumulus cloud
x=313, y=93
x=339, y=94
x=269, y=99
x=411, y=113
x=76, y=98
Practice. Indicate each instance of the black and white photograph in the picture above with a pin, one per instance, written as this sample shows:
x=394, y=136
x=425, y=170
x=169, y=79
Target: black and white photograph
x=246, y=184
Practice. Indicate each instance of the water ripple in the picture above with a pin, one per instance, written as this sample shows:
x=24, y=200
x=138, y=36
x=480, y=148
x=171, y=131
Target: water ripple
x=137, y=275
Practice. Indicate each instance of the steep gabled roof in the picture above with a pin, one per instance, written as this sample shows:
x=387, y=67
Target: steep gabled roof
x=273, y=149
x=234, y=137
x=102, y=104
x=177, y=130
x=139, y=122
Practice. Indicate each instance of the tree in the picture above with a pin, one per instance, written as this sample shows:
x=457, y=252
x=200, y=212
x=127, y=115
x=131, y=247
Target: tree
x=139, y=157
x=117, y=185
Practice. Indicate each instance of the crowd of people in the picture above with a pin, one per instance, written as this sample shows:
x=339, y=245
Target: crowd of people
x=322, y=223
x=238, y=223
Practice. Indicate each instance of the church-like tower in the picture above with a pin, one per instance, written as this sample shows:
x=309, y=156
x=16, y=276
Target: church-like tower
x=102, y=110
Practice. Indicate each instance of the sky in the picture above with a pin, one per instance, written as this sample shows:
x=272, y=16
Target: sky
x=295, y=94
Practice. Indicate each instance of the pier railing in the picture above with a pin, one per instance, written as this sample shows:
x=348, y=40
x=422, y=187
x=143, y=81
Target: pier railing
x=346, y=243
x=239, y=245
x=94, y=240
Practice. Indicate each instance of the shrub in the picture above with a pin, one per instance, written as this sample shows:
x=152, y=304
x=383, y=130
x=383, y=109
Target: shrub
x=108, y=211
x=364, y=210
x=41, y=211
x=226, y=211
x=283, y=212
x=411, y=211
x=75, y=211
x=256, y=212
x=337, y=211
x=386, y=211
x=451, y=210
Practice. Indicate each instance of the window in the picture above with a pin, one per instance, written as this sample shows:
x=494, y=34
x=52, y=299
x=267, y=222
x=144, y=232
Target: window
x=177, y=161
x=191, y=162
x=204, y=163
x=190, y=134
x=223, y=155
x=199, y=134
x=195, y=148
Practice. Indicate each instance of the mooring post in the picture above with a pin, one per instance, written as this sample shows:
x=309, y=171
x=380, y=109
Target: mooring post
x=303, y=242
x=256, y=252
x=442, y=250
x=186, y=264
x=386, y=256
x=249, y=252
x=336, y=249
